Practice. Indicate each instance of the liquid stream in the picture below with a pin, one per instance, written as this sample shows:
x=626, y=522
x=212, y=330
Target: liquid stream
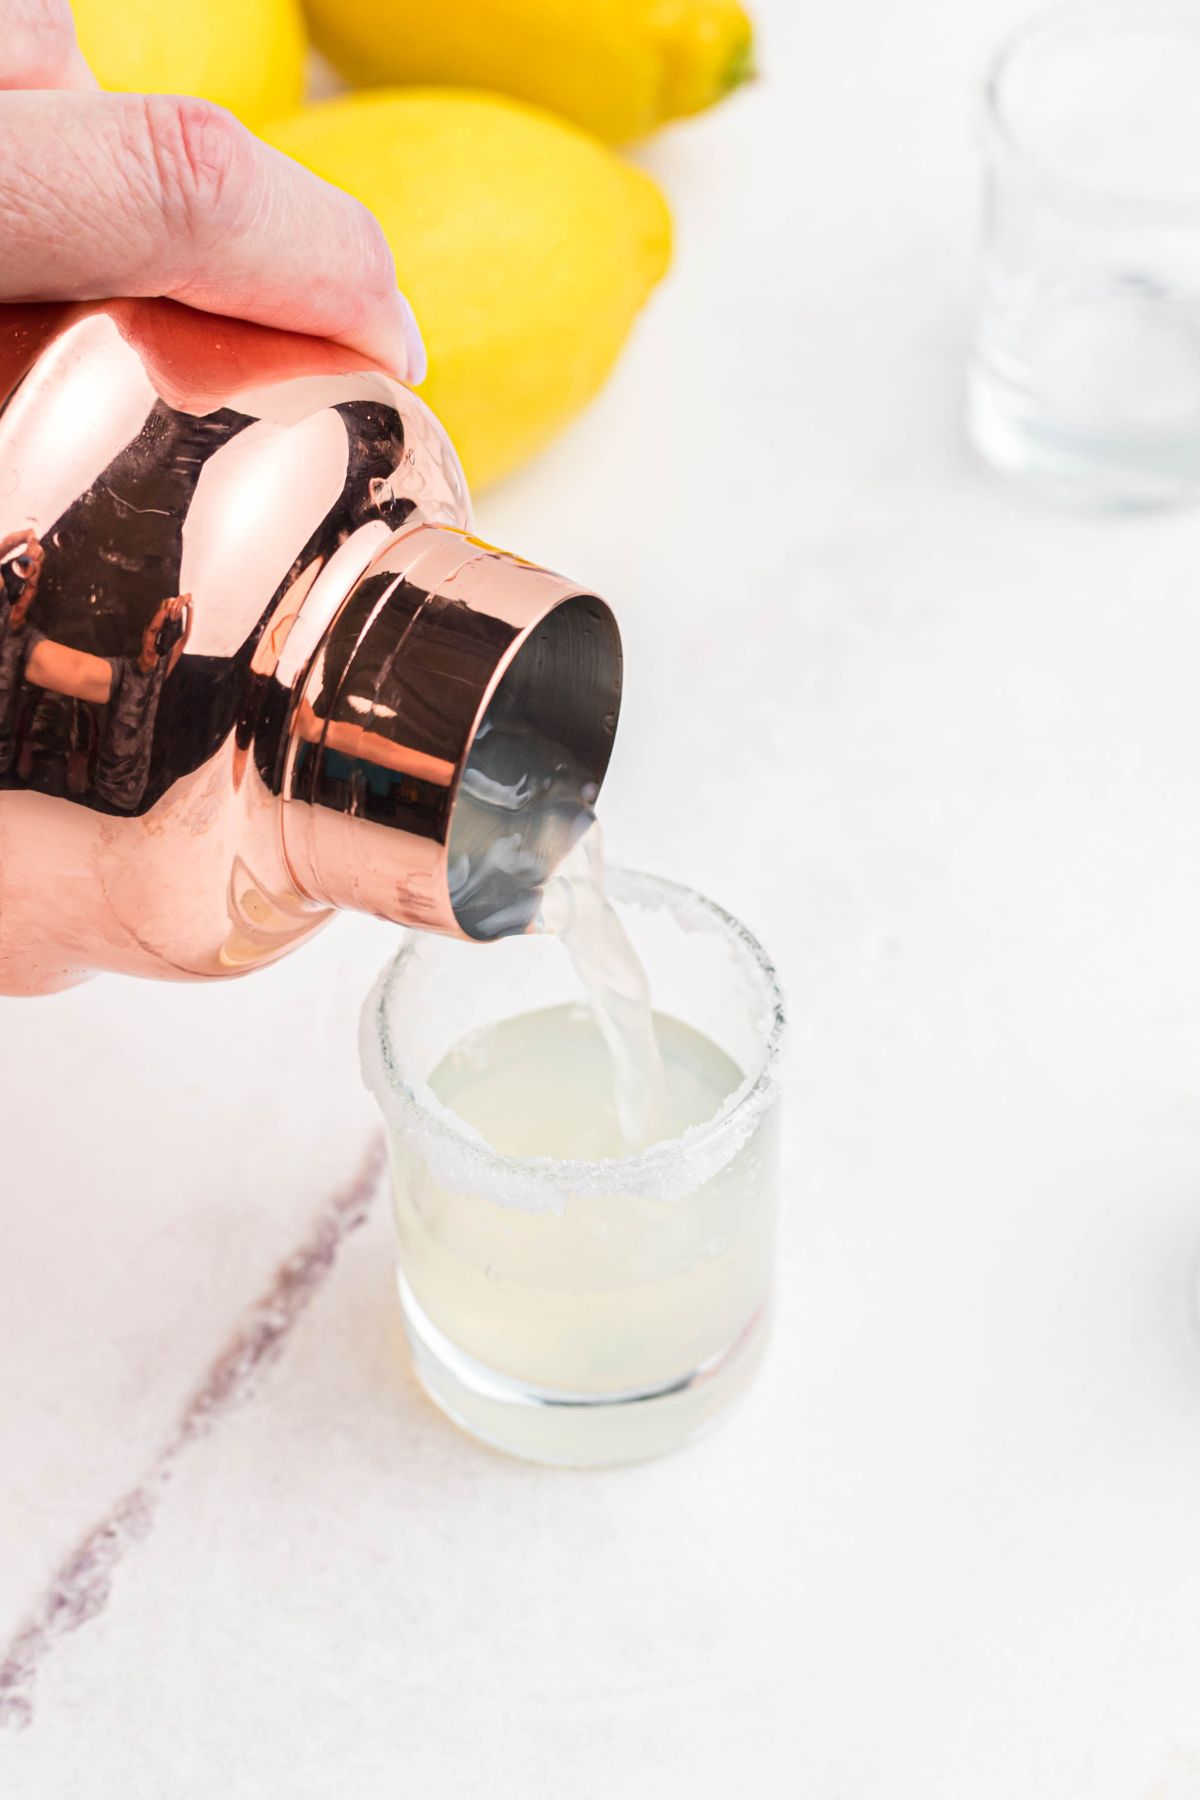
x=525, y=809
x=576, y=910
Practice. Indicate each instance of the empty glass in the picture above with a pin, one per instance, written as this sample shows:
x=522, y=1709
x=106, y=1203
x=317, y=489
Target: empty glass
x=1085, y=375
x=567, y=1310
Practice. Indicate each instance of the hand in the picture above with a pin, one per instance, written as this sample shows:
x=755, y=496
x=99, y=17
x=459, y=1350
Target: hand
x=28, y=565
x=170, y=609
x=34, y=557
x=128, y=194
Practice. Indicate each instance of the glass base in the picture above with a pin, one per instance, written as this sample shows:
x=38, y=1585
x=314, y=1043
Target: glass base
x=571, y=1430
x=1090, y=470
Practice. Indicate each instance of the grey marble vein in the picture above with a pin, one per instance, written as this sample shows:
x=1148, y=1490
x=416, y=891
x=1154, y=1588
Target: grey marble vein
x=82, y=1585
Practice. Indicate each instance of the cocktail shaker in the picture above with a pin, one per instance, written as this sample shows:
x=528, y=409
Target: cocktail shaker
x=254, y=667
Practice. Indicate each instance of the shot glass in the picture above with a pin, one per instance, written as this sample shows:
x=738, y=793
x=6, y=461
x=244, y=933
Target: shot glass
x=1084, y=380
x=568, y=1311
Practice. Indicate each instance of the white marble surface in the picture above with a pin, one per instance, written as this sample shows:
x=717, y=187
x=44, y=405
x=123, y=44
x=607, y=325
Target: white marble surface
x=943, y=751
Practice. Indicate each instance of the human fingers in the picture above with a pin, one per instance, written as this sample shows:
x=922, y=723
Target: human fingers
x=104, y=194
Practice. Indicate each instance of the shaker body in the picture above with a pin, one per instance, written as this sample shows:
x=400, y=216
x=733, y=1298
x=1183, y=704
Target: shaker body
x=249, y=652
x=156, y=452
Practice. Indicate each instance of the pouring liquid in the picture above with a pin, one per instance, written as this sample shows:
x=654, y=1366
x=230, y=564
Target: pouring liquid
x=576, y=910
x=525, y=809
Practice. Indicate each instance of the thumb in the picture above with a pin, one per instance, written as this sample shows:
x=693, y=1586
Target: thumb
x=39, y=48
x=125, y=194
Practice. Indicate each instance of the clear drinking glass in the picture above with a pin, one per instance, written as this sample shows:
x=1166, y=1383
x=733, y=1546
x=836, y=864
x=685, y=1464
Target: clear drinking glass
x=584, y=1312
x=1085, y=374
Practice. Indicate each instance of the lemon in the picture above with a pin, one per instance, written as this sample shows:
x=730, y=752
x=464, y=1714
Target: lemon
x=247, y=55
x=525, y=247
x=617, y=67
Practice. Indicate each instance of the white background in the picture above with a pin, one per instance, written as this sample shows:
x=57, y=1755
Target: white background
x=942, y=751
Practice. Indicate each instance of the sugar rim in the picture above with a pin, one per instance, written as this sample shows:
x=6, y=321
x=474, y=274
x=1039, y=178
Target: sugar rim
x=537, y=1183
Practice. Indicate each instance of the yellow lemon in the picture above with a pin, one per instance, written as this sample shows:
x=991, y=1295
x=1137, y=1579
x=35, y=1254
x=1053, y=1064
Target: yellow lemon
x=525, y=247
x=247, y=55
x=618, y=67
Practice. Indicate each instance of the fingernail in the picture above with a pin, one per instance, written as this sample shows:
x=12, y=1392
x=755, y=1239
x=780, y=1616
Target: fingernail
x=414, y=344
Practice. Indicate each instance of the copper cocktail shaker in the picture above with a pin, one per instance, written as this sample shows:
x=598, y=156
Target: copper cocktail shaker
x=253, y=667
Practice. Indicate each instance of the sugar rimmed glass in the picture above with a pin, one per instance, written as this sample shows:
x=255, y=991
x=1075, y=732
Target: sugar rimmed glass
x=577, y=1312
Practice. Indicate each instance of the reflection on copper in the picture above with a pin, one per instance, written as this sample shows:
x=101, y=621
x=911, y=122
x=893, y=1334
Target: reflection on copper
x=246, y=643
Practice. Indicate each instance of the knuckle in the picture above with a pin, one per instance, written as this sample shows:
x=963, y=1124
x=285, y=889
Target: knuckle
x=197, y=156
